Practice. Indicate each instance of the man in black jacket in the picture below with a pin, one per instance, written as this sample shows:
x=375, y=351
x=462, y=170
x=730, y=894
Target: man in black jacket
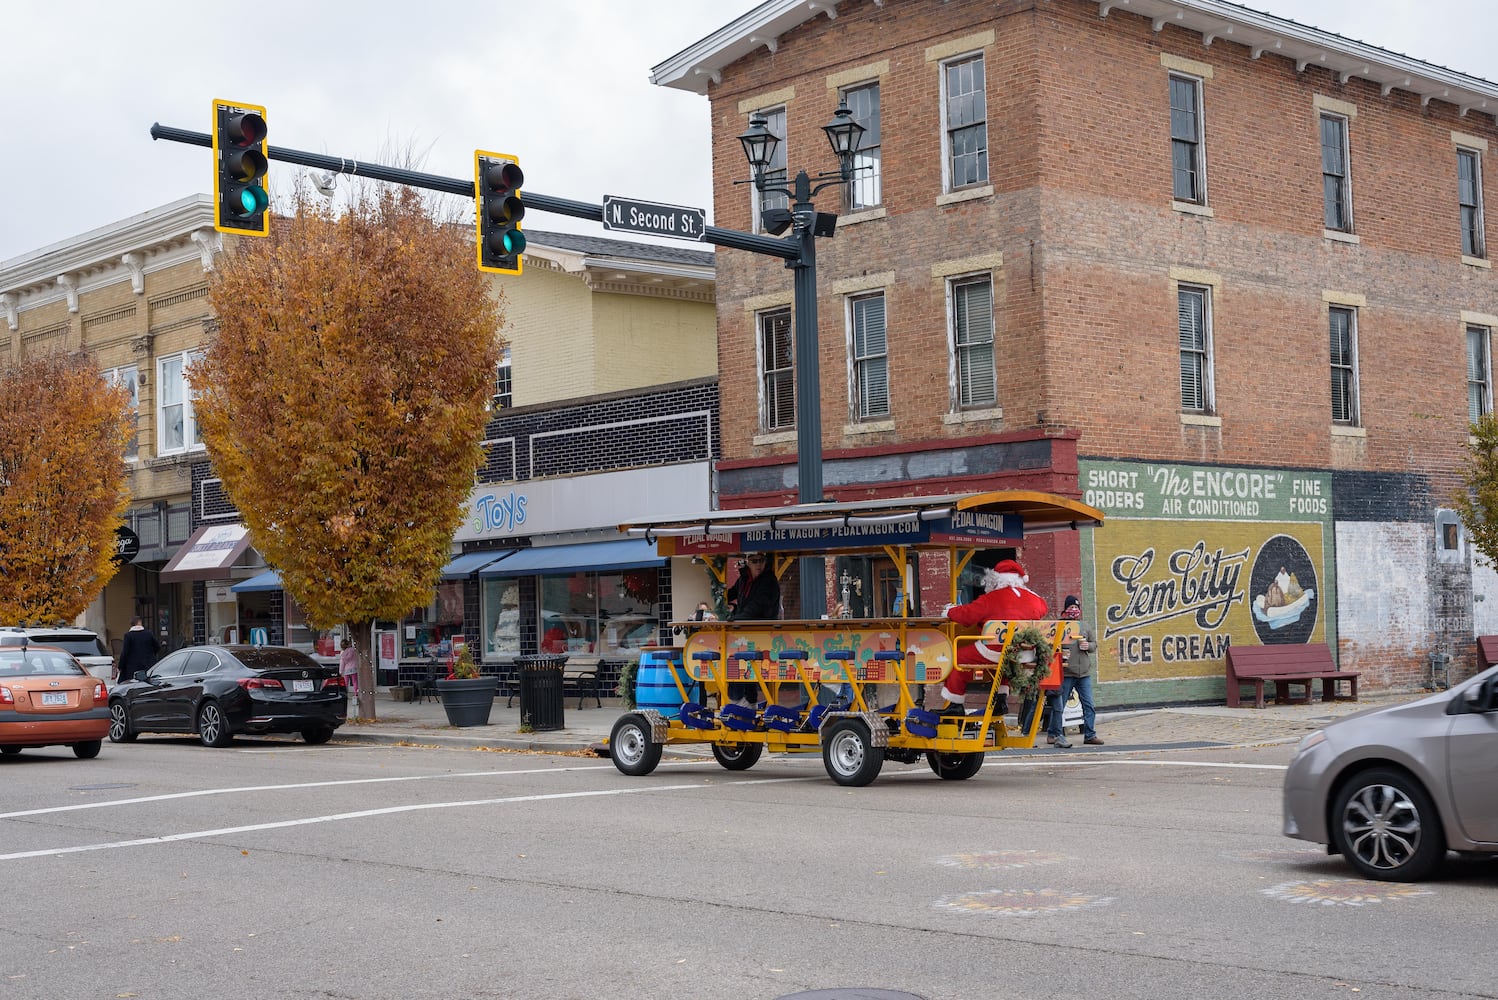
x=137, y=651
x=754, y=597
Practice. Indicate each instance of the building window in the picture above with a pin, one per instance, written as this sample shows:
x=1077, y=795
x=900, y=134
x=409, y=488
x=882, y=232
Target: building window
x=1194, y=311
x=1344, y=355
x=777, y=365
x=503, y=397
x=1479, y=374
x=966, y=129
x=775, y=172
x=607, y=614
x=1336, y=187
x=1469, y=196
x=501, y=601
x=971, y=310
x=176, y=429
x=869, y=356
x=129, y=377
x=1186, y=139
x=865, y=190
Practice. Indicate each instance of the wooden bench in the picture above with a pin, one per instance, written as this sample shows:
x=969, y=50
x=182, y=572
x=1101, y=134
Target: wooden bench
x=1487, y=651
x=1286, y=665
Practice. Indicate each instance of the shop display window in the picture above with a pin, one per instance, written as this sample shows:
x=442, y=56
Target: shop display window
x=428, y=631
x=599, y=614
x=501, y=617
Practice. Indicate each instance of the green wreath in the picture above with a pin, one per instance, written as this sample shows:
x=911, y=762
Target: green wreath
x=1024, y=678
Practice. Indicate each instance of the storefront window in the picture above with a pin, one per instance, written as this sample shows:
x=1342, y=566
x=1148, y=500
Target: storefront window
x=428, y=632
x=602, y=614
x=501, y=617
x=320, y=643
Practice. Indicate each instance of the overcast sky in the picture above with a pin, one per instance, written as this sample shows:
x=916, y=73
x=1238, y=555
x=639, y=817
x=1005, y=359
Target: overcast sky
x=563, y=84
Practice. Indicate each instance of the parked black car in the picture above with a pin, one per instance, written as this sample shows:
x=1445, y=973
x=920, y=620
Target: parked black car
x=220, y=692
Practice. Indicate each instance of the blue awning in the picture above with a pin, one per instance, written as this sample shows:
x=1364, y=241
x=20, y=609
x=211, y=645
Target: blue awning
x=466, y=563
x=269, y=580
x=633, y=553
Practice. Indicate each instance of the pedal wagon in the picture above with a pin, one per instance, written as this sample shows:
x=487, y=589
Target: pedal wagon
x=851, y=688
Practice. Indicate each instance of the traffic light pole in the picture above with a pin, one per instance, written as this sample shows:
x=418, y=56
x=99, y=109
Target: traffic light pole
x=798, y=251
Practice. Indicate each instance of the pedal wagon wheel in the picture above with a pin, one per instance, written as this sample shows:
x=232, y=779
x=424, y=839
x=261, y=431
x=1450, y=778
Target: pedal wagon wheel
x=738, y=756
x=849, y=754
x=954, y=766
x=631, y=746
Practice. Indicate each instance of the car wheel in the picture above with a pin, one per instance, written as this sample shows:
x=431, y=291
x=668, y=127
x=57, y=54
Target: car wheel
x=849, y=753
x=213, y=728
x=954, y=766
x=1386, y=826
x=738, y=756
x=88, y=749
x=120, y=730
x=317, y=735
x=634, y=750
x=10, y=751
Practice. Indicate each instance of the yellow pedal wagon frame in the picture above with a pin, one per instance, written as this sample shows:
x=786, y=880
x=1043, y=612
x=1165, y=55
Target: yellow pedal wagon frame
x=849, y=687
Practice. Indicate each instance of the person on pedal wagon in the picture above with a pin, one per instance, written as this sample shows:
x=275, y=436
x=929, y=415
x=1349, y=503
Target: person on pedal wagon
x=1005, y=598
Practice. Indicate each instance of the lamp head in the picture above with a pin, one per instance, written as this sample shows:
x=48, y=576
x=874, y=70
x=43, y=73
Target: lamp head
x=759, y=144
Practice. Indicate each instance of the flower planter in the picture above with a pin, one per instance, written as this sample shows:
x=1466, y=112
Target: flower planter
x=468, y=702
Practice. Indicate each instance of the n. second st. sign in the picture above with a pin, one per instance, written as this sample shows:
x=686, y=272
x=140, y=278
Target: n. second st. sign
x=630, y=216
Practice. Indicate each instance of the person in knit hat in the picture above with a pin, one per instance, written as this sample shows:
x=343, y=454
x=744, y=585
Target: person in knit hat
x=1005, y=598
x=1076, y=674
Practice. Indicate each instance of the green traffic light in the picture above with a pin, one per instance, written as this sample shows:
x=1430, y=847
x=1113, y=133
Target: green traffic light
x=514, y=241
x=252, y=201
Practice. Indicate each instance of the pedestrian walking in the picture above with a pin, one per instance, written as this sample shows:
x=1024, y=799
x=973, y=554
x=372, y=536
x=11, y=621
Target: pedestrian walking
x=1078, y=660
x=348, y=666
x=137, y=652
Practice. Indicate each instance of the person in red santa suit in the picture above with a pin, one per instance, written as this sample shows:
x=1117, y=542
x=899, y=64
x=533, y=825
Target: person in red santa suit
x=1005, y=598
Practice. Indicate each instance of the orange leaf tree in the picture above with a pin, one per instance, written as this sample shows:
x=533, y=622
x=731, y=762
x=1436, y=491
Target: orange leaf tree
x=343, y=401
x=63, y=485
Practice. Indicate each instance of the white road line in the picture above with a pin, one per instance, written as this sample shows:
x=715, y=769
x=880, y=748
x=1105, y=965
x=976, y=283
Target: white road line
x=366, y=813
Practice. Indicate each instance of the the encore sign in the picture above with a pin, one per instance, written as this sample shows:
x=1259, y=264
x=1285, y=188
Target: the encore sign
x=630, y=216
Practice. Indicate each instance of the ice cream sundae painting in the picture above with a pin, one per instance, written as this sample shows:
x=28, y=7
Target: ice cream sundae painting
x=1282, y=588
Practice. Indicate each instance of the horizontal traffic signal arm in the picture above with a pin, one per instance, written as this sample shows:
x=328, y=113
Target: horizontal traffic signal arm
x=786, y=249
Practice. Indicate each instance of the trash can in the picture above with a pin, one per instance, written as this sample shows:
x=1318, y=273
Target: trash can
x=541, y=690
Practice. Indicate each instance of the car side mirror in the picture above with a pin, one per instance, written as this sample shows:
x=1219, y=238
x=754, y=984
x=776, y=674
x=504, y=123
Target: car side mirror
x=1483, y=698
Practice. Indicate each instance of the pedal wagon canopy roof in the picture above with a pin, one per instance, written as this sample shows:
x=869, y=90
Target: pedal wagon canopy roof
x=1002, y=517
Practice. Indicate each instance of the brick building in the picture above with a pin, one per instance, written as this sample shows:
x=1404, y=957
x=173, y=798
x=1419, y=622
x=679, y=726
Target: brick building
x=1221, y=274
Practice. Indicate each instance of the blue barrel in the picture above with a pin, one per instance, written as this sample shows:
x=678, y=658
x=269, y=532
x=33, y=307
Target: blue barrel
x=654, y=687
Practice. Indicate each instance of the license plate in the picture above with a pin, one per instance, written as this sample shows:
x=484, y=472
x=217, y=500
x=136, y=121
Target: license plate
x=54, y=697
x=301, y=685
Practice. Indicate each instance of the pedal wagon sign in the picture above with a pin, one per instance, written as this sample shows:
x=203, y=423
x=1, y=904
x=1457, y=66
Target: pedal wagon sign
x=1198, y=558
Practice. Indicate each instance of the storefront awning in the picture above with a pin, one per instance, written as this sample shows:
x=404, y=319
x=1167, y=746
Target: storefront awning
x=208, y=554
x=269, y=580
x=466, y=563
x=634, y=553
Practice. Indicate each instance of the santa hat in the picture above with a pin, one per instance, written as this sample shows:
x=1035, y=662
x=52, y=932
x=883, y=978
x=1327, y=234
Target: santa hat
x=1007, y=573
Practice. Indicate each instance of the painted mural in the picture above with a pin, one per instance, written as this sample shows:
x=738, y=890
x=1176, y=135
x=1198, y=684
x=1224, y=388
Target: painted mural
x=1194, y=559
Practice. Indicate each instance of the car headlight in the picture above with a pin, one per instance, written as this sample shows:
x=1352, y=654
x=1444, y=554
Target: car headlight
x=1319, y=736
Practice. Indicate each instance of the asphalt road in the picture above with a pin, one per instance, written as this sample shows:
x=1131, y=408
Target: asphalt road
x=272, y=869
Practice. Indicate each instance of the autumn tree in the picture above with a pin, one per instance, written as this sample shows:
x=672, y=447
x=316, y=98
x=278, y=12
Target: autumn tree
x=63, y=485
x=1477, y=505
x=343, y=401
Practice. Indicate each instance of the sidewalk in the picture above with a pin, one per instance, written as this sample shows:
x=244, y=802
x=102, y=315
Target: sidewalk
x=425, y=722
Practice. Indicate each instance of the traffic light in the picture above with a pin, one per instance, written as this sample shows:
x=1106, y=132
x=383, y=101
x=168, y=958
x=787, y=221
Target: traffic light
x=240, y=202
x=497, y=181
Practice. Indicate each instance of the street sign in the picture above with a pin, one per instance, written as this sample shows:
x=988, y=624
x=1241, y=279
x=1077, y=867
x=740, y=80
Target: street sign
x=628, y=215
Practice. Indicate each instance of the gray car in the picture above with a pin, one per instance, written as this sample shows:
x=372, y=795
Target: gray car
x=1393, y=789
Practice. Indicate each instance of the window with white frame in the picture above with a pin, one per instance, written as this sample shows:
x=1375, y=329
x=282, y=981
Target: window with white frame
x=775, y=172
x=1343, y=324
x=503, y=388
x=1469, y=198
x=1336, y=180
x=777, y=366
x=1187, y=166
x=1479, y=373
x=865, y=190
x=176, y=429
x=971, y=309
x=128, y=376
x=1194, y=321
x=869, y=356
x=965, y=126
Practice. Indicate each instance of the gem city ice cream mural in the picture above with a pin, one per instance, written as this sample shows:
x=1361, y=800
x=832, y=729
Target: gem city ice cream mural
x=1196, y=558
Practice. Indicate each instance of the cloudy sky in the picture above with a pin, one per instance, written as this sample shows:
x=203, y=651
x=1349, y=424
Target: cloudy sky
x=563, y=84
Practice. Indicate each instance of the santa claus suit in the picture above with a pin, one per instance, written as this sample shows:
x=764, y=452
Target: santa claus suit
x=1006, y=599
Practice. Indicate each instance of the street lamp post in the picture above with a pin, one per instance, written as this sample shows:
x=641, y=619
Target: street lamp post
x=806, y=224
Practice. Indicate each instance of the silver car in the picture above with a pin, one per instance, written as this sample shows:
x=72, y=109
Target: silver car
x=1393, y=789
